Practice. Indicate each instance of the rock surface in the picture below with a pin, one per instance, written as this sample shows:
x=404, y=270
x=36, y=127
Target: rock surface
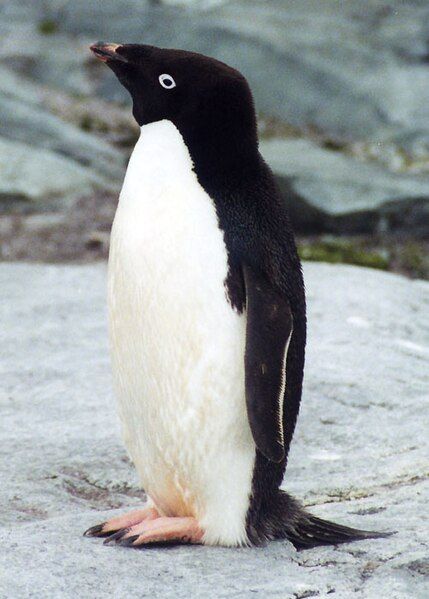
x=29, y=176
x=353, y=69
x=353, y=75
x=339, y=193
x=44, y=157
x=359, y=454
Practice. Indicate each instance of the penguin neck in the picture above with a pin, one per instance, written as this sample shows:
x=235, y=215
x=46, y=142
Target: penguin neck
x=223, y=156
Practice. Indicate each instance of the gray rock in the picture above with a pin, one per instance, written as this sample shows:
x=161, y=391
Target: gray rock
x=354, y=70
x=359, y=455
x=341, y=193
x=24, y=117
x=44, y=157
x=32, y=175
x=351, y=73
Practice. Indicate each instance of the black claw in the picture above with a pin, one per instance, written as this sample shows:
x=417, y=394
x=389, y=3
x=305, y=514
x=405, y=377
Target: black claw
x=128, y=542
x=116, y=536
x=95, y=531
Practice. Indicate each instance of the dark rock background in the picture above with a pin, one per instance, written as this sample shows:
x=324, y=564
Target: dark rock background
x=341, y=89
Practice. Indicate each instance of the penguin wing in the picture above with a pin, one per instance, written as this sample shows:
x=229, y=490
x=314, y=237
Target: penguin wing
x=268, y=332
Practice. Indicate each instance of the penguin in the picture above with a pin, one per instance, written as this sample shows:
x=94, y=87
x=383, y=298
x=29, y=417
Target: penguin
x=207, y=314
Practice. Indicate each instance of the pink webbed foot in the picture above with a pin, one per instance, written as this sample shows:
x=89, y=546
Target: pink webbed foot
x=122, y=522
x=159, y=530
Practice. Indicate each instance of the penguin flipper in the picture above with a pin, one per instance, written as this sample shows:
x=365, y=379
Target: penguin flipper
x=268, y=331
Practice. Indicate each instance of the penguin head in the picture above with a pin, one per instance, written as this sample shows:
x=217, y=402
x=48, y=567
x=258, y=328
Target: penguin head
x=202, y=96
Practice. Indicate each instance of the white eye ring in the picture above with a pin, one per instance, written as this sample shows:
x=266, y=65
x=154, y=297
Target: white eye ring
x=167, y=81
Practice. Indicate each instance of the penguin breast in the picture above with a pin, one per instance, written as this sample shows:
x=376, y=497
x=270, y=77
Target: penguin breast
x=177, y=345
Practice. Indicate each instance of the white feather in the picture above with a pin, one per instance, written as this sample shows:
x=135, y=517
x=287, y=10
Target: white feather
x=177, y=345
x=280, y=397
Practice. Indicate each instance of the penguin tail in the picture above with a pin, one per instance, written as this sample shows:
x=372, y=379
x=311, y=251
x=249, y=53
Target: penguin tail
x=287, y=519
x=311, y=531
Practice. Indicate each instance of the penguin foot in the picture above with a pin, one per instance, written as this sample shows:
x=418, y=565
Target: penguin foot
x=159, y=530
x=120, y=523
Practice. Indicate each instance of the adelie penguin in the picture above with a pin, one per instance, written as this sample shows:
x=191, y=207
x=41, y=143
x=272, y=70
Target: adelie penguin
x=207, y=314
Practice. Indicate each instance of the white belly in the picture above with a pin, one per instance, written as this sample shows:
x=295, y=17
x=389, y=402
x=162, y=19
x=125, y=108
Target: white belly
x=177, y=345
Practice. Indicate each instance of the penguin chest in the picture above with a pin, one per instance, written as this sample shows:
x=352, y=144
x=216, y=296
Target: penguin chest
x=177, y=344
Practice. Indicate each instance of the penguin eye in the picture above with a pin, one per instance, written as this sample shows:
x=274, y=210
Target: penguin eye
x=167, y=81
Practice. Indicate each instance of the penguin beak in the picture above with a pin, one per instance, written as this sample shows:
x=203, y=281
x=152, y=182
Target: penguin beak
x=107, y=52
